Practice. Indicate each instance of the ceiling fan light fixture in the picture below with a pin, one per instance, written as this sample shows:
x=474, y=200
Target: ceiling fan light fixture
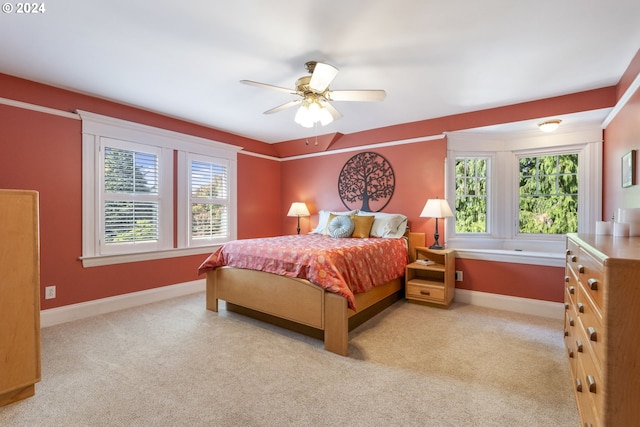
x=325, y=117
x=311, y=112
x=549, y=125
x=315, y=95
x=303, y=118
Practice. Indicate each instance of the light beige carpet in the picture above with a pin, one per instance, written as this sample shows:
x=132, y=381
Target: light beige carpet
x=173, y=363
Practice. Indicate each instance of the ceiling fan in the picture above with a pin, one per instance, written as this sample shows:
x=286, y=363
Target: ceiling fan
x=315, y=95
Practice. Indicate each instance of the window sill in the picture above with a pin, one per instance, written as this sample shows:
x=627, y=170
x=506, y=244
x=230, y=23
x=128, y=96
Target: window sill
x=552, y=259
x=97, y=261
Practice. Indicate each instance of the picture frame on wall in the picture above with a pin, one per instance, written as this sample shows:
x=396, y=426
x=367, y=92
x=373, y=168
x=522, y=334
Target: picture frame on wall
x=629, y=169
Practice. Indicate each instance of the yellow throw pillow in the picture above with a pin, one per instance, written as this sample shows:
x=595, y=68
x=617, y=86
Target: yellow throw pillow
x=363, y=225
x=326, y=227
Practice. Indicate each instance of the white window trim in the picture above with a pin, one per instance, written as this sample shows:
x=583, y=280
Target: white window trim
x=184, y=205
x=504, y=148
x=165, y=187
x=95, y=127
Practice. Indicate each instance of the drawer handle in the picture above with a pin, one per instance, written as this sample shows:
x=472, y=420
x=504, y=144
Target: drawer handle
x=566, y=306
x=571, y=321
x=579, y=346
x=592, y=383
x=572, y=290
x=568, y=251
x=423, y=292
x=566, y=279
x=566, y=332
x=570, y=350
x=593, y=336
x=580, y=268
x=573, y=258
x=581, y=307
x=593, y=284
x=579, y=385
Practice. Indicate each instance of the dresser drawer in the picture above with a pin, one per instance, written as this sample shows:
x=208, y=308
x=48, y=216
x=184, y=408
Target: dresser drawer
x=424, y=291
x=573, y=253
x=591, y=274
x=571, y=288
x=591, y=325
x=570, y=323
x=586, y=407
x=592, y=388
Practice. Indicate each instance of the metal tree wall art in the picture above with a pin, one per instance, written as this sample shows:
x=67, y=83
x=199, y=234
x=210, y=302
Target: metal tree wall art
x=366, y=177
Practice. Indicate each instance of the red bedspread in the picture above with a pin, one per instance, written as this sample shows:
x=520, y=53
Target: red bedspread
x=343, y=266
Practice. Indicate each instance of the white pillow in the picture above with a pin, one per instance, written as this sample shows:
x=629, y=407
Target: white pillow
x=323, y=218
x=387, y=225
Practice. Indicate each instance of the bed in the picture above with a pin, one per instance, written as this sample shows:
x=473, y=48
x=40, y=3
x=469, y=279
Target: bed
x=274, y=280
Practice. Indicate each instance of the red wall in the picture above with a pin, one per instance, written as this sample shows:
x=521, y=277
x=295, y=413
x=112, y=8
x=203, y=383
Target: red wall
x=43, y=152
x=418, y=170
x=621, y=136
x=518, y=280
x=259, y=212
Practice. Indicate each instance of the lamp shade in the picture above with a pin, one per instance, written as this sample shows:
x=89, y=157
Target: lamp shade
x=298, y=209
x=436, y=208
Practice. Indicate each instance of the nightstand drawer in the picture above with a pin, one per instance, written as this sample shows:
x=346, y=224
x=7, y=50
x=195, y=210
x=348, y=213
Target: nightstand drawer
x=422, y=290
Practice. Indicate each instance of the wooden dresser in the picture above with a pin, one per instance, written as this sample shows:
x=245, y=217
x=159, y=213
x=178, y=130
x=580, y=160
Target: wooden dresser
x=602, y=327
x=19, y=295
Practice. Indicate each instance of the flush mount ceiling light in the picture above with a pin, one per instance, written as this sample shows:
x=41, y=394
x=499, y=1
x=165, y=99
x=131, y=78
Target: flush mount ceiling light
x=549, y=125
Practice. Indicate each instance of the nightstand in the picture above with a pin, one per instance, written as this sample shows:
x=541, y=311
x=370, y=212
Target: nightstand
x=431, y=278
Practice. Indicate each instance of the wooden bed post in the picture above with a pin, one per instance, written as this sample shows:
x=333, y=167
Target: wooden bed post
x=336, y=324
x=212, y=294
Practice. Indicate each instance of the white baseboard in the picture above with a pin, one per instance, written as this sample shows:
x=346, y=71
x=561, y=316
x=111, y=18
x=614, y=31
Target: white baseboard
x=67, y=313
x=554, y=310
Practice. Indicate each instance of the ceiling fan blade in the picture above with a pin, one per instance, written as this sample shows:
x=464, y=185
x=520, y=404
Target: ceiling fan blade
x=323, y=75
x=283, y=106
x=331, y=109
x=264, y=85
x=356, y=95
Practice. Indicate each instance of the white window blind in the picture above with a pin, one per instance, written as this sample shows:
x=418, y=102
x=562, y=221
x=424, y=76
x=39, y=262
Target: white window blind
x=130, y=194
x=135, y=177
x=209, y=200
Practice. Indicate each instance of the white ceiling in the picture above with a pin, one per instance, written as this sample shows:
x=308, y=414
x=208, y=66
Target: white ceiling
x=434, y=58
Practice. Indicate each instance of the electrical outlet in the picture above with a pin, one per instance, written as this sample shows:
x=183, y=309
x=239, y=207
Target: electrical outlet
x=458, y=276
x=49, y=292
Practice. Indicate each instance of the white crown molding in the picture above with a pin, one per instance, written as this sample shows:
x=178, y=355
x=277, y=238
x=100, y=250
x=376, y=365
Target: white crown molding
x=631, y=90
x=367, y=147
x=38, y=108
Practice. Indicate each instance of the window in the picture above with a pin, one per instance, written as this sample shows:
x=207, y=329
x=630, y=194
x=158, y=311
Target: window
x=134, y=179
x=548, y=202
x=513, y=192
x=209, y=201
x=131, y=197
x=471, y=194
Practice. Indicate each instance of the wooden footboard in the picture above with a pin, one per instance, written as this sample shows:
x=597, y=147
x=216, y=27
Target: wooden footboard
x=294, y=300
x=298, y=300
